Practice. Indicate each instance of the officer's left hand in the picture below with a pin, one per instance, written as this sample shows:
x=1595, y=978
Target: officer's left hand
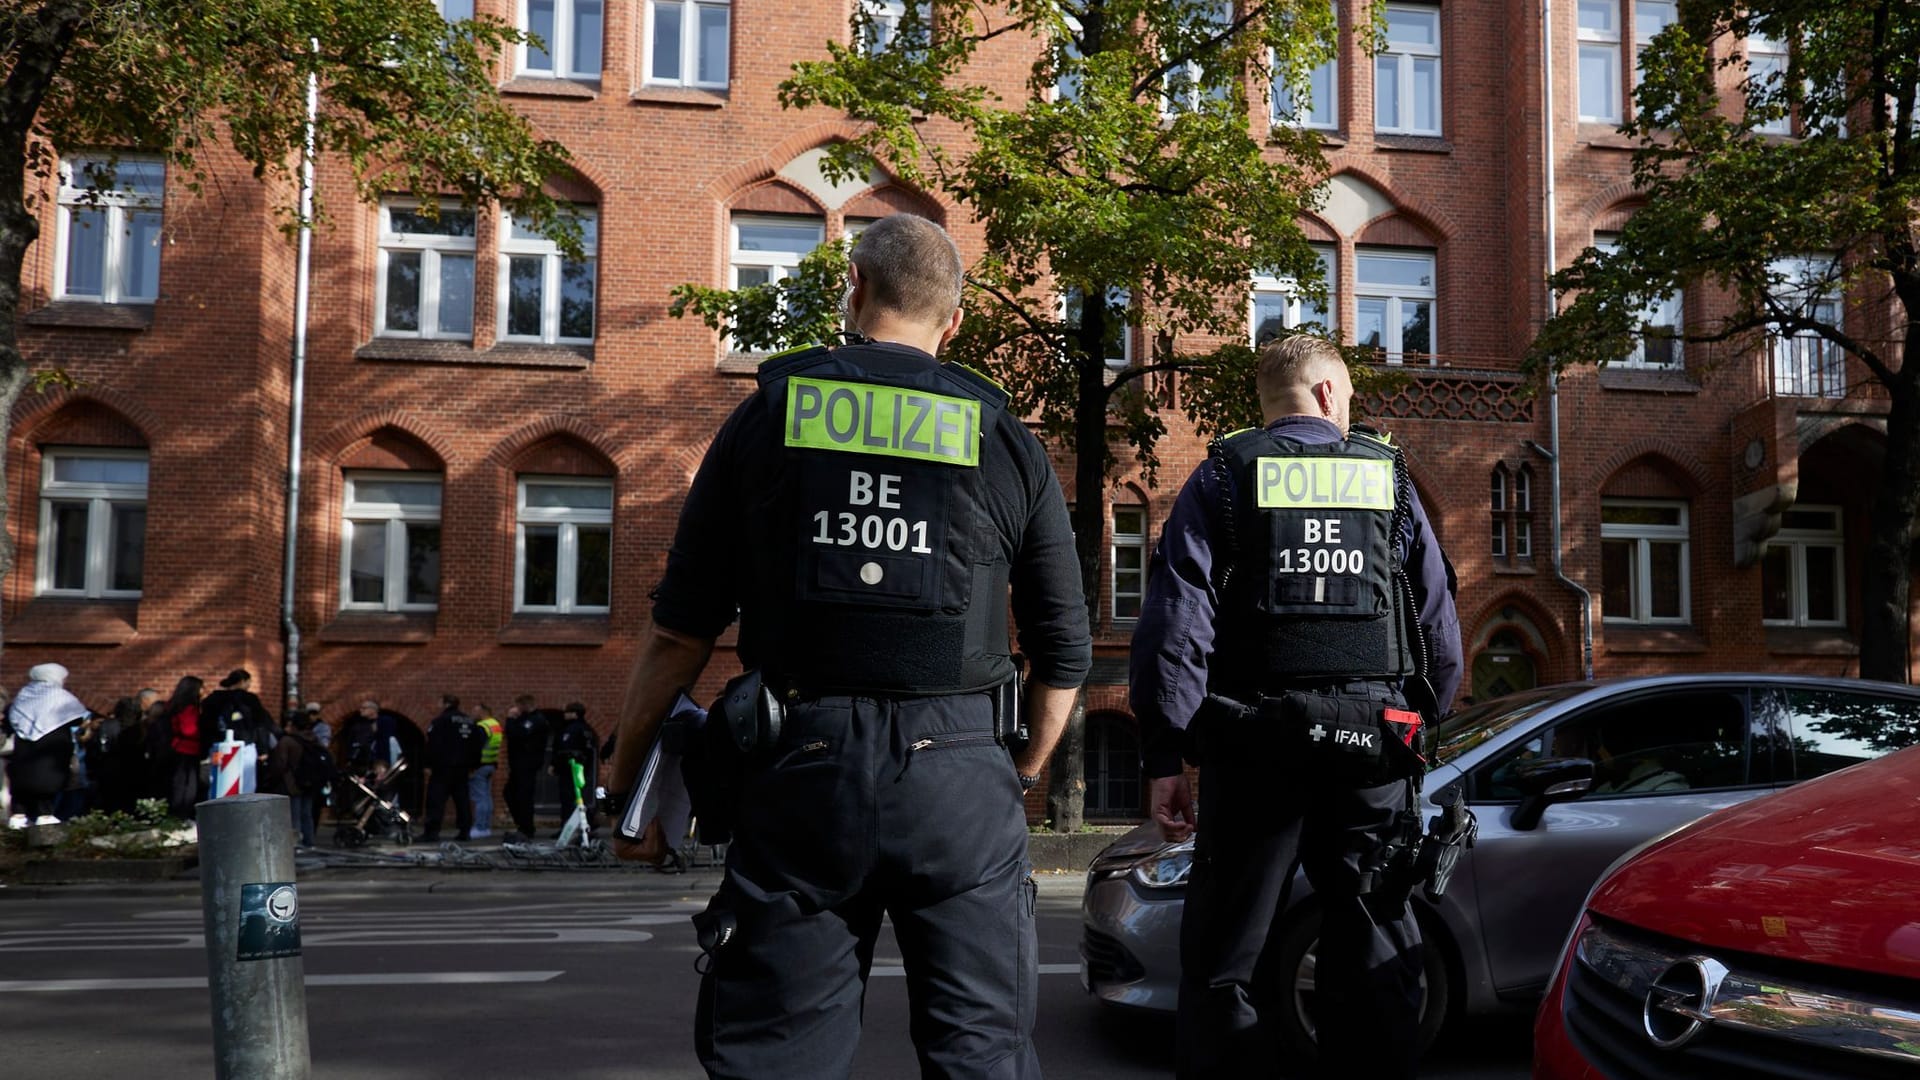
x=651, y=848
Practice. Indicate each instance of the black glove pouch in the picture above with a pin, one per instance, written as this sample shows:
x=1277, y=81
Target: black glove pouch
x=1339, y=739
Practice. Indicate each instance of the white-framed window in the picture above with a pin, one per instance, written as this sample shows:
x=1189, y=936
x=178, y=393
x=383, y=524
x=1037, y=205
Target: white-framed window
x=1803, y=574
x=1801, y=362
x=1119, y=334
x=1128, y=586
x=1657, y=343
x=1512, y=504
x=768, y=248
x=1644, y=572
x=889, y=28
x=1319, y=110
x=424, y=283
x=1767, y=68
x=1186, y=85
x=390, y=542
x=573, y=32
x=1276, y=303
x=544, y=296
x=1393, y=302
x=108, y=248
x=1406, y=74
x=1499, y=499
x=1066, y=84
x=1600, y=67
x=454, y=10
x=688, y=42
x=563, y=545
x=1649, y=18
x=1523, y=512
x=93, y=522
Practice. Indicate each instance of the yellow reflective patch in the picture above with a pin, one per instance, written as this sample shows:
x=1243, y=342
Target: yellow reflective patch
x=888, y=421
x=1309, y=483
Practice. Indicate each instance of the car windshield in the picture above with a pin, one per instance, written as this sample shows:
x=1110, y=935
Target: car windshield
x=1474, y=725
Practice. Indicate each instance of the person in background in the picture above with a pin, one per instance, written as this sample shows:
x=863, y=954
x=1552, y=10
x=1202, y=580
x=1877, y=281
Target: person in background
x=117, y=757
x=454, y=743
x=574, y=762
x=285, y=767
x=527, y=734
x=186, y=781
x=322, y=733
x=480, y=783
x=236, y=708
x=42, y=716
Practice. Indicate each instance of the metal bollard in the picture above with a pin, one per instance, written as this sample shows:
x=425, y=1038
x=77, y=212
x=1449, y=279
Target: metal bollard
x=252, y=911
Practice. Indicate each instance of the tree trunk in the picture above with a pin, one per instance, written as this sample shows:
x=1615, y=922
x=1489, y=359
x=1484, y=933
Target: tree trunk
x=1886, y=577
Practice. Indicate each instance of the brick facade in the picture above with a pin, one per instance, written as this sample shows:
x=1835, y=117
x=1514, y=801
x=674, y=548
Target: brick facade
x=202, y=381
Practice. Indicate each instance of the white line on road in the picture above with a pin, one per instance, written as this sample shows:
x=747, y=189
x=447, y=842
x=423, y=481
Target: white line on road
x=383, y=978
x=1045, y=969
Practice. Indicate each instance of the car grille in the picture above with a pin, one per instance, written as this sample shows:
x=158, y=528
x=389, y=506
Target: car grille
x=1604, y=1021
x=1108, y=961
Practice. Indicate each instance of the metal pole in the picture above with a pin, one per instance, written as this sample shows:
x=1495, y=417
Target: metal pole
x=254, y=970
x=302, y=293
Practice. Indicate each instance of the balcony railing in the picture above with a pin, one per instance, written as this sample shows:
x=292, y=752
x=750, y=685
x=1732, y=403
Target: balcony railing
x=1807, y=366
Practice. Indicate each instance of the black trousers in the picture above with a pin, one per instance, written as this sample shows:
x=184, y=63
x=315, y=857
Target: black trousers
x=39, y=771
x=868, y=807
x=520, y=781
x=1257, y=816
x=446, y=782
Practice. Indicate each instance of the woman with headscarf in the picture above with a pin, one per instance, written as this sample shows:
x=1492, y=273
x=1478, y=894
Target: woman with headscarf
x=42, y=716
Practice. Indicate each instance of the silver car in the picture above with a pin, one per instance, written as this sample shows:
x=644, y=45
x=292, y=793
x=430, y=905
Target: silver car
x=1564, y=779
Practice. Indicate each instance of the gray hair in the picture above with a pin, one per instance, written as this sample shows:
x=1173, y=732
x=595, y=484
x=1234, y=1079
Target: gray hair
x=911, y=267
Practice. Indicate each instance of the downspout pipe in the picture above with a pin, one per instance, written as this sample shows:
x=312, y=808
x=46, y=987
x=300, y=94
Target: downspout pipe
x=1552, y=452
x=302, y=295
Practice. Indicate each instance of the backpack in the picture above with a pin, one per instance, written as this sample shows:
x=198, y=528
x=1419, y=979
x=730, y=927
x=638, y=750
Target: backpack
x=314, y=770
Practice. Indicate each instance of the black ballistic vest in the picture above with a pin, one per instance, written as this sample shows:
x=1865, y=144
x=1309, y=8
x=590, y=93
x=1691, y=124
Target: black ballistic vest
x=1312, y=588
x=881, y=570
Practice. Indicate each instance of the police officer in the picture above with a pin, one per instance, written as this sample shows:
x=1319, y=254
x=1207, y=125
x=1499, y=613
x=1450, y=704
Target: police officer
x=527, y=733
x=866, y=509
x=454, y=743
x=1296, y=600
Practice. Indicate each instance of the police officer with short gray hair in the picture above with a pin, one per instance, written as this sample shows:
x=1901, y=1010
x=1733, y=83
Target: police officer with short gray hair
x=872, y=513
x=1296, y=602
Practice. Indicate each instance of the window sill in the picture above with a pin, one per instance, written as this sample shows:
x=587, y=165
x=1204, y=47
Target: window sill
x=507, y=354
x=1511, y=567
x=530, y=629
x=551, y=86
x=1623, y=639
x=60, y=620
x=380, y=627
x=1659, y=380
x=1423, y=144
x=695, y=96
x=1604, y=136
x=1330, y=138
x=1811, y=641
x=83, y=313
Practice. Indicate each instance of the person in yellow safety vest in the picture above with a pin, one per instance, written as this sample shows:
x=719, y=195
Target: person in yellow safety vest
x=480, y=781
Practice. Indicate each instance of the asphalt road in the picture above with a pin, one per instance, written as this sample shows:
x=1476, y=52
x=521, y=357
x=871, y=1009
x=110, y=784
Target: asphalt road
x=496, y=974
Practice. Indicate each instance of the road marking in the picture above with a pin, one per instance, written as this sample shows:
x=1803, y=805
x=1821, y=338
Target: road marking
x=382, y=978
x=896, y=971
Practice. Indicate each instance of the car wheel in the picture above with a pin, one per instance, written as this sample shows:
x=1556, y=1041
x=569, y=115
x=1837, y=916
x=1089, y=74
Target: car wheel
x=1288, y=975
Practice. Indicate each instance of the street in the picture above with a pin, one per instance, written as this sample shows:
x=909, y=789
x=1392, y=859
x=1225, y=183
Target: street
x=497, y=974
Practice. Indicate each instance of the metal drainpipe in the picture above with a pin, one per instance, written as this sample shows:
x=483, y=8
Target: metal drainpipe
x=1553, y=379
x=302, y=290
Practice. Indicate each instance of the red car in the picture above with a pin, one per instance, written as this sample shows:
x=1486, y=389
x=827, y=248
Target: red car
x=1777, y=938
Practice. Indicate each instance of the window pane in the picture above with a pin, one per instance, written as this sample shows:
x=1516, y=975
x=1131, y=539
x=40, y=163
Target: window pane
x=1386, y=91
x=1413, y=27
x=1664, y=562
x=1834, y=730
x=1652, y=16
x=1523, y=539
x=1269, y=316
x=456, y=294
x=666, y=39
x=1130, y=521
x=127, y=546
x=1618, y=514
x=1370, y=322
x=1425, y=106
x=451, y=222
x=146, y=178
x=423, y=563
x=576, y=299
x=540, y=25
x=78, y=469
x=1776, y=582
x=586, y=37
x=1389, y=272
x=392, y=492
x=403, y=290
x=69, y=545
x=771, y=236
x=456, y=10
x=713, y=43
x=1820, y=520
x=142, y=256
x=541, y=583
x=86, y=252
x=524, y=288
x=746, y=277
x=1416, y=326
x=1599, y=65
x=1823, y=576
x=593, y=573
x=1499, y=537
x=1320, y=83
x=367, y=562
x=570, y=496
x=1616, y=578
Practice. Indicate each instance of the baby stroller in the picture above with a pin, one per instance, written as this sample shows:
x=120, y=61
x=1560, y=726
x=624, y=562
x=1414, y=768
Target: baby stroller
x=368, y=808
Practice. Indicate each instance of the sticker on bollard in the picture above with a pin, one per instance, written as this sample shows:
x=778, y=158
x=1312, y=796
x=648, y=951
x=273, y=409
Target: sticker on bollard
x=269, y=921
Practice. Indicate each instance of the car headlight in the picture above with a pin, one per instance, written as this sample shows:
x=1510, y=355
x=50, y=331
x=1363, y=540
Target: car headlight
x=1165, y=869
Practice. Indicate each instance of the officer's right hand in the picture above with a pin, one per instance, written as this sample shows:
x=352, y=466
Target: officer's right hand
x=650, y=848
x=1170, y=800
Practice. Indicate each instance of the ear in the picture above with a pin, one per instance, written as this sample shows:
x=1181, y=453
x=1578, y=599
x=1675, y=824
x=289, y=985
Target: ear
x=952, y=327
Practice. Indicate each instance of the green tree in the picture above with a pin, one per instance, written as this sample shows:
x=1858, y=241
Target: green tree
x=407, y=101
x=1781, y=225
x=1128, y=189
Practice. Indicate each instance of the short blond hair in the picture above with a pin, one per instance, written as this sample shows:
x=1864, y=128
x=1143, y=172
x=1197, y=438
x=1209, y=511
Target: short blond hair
x=1294, y=363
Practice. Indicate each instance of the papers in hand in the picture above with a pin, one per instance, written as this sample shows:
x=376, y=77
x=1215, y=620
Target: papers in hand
x=659, y=792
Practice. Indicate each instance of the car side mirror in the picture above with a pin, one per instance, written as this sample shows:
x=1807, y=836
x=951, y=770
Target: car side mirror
x=1545, y=781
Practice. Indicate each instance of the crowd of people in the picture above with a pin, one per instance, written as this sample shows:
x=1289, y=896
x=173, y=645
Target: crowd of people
x=65, y=758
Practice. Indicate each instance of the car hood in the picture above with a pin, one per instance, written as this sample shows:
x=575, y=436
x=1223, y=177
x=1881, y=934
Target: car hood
x=1826, y=872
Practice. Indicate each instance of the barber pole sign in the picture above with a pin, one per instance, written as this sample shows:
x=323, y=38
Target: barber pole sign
x=229, y=767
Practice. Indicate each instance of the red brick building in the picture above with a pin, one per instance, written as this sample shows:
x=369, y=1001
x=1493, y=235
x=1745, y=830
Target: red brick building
x=497, y=439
